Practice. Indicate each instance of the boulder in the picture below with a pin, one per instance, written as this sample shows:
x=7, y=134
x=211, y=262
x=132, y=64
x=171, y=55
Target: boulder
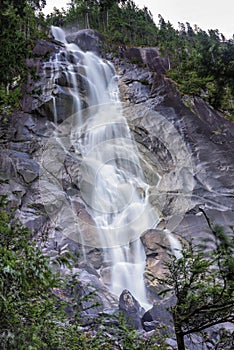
x=61, y=100
x=156, y=248
x=7, y=166
x=131, y=309
x=159, y=316
x=148, y=57
x=87, y=40
x=27, y=168
x=14, y=191
x=43, y=48
x=91, y=294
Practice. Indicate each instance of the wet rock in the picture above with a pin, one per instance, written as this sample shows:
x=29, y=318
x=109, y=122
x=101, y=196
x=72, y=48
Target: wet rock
x=131, y=309
x=7, y=166
x=32, y=90
x=172, y=343
x=95, y=256
x=14, y=192
x=93, y=296
x=194, y=225
x=155, y=241
x=57, y=102
x=27, y=103
x=147, y=56
x=87, y=40
x=32, y=213
x=159, y=315
x=62, y=100
x=25, y=138
x=44, y=48
x=150, y=326
x=197, y=127
x=156, y=247
x=27, y=168
x=32, y=218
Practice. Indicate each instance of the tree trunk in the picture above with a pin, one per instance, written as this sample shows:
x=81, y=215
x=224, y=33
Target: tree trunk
x=179, y=333
x=180, y=340
x=107, y=19
x=87, y=26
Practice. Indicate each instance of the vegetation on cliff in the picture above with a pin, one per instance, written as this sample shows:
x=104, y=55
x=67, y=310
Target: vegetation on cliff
x=41, y=310
x=19, y=28
x=203, y=284
x=201, y=63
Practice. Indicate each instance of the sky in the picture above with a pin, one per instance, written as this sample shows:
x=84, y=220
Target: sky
x=207, y=14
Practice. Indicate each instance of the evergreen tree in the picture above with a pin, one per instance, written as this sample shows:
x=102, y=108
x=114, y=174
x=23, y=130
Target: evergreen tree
x=203, y=286
x=33, y=300
x=18, y=31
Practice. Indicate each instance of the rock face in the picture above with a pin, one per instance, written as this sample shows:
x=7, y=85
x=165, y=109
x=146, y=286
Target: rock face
x=151, y=98
x=186, y=150
x=148, y=57
x=87, y=40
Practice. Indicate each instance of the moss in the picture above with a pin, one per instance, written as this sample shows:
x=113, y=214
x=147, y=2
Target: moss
x=217, y=132
x=188, y=102
x=144, y=82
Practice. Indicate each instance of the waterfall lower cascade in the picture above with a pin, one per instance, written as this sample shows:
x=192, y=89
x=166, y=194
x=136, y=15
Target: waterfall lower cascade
x=109, y=177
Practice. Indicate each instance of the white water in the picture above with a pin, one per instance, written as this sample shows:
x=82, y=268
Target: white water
x=110, y=177
x=175, y=244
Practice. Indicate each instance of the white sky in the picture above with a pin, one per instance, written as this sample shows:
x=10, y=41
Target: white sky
x=207, y=14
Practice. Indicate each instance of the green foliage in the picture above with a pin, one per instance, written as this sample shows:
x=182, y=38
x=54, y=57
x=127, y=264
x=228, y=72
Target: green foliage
x=203, y=286
x=26, y=301
x=9, y=99
x=130, y=340
x=18, y=32
x=122, y=22
x=33, y=300
x=202, y=63
x=226, y=340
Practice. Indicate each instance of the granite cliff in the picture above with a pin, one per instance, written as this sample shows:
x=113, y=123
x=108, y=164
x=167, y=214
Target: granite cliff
x=186, y=150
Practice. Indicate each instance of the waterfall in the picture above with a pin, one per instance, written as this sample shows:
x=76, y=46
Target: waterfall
x=175, y=244
x=109, y=177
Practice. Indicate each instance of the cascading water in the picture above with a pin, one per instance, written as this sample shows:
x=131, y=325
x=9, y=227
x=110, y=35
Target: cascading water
x=110, y=178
